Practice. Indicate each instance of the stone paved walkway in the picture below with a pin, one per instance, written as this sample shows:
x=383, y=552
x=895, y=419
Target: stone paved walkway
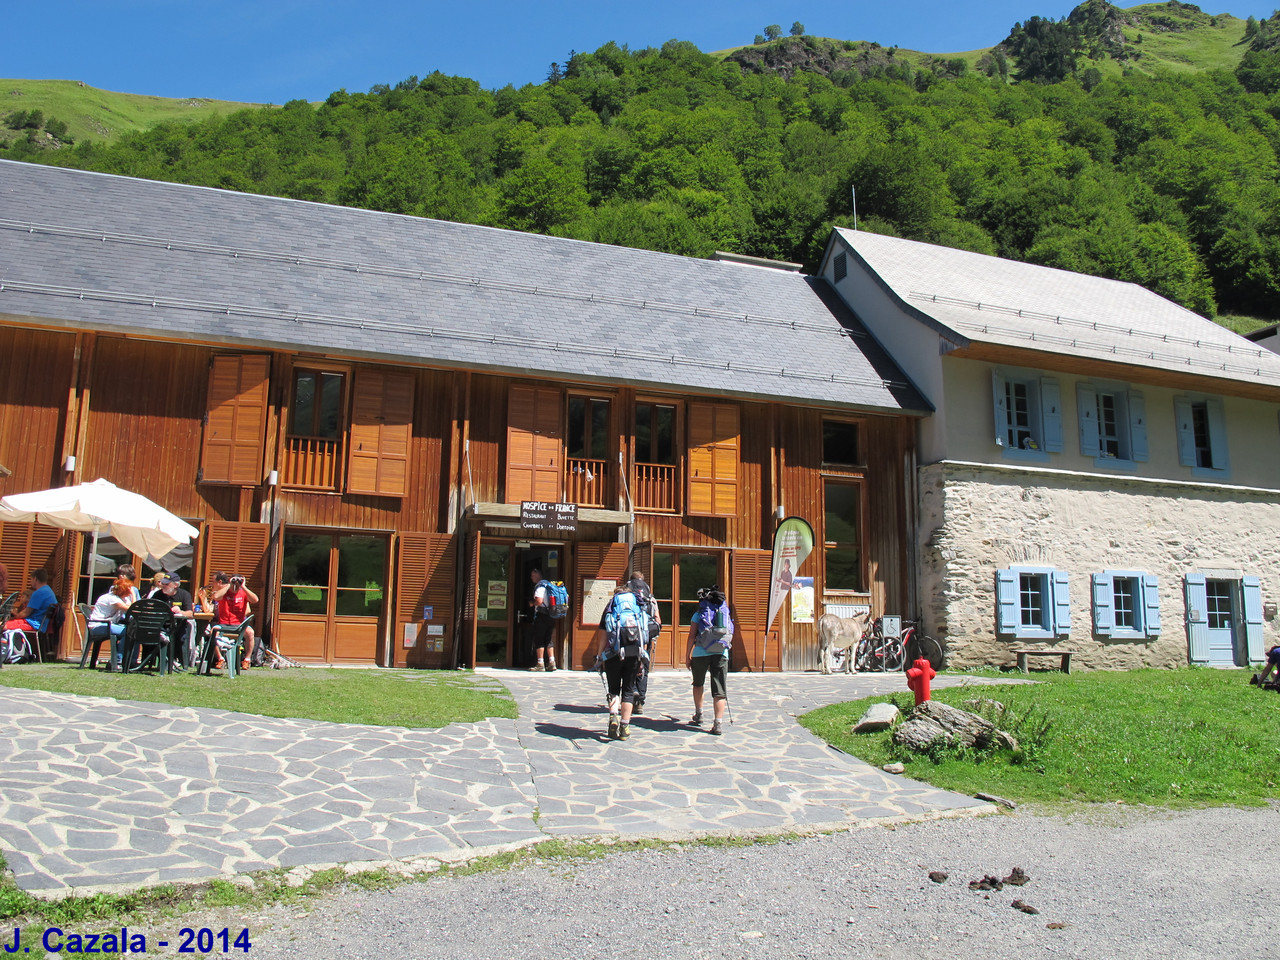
x=98, y=793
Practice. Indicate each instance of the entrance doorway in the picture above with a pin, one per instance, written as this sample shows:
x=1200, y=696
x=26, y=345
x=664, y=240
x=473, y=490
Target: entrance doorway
x=332, y=588
x=1221, y=613
x=678, y=575
x=504, y=600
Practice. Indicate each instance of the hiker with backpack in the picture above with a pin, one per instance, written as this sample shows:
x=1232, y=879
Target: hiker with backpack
x=624, y=652
x=710, y=637
x=645, y=596
x=550, y=603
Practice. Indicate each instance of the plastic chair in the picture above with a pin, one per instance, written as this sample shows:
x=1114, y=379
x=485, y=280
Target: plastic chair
x=95, y=643
x=225, y=640
x=147, y=624
x=23, y=646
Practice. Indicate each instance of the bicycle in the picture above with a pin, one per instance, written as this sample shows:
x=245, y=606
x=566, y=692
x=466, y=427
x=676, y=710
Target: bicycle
x=904, y=645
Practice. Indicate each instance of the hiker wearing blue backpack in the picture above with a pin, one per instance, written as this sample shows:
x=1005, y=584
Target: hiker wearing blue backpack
x=710, y=637
x=624, y=653
x=550, y=603
x=641, y=589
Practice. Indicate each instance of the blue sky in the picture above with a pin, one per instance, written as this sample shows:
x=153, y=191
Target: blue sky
x=271, y=51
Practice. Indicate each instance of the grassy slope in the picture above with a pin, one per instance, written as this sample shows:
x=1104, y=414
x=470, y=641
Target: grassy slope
x=101, y=115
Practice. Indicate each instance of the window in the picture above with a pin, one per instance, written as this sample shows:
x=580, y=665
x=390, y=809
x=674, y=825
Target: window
x=1202, y=436
x=316, y=410
x=1113, y=424
x=1126, y=604
x=235, y=420
x=656, y=484
x=842, y=552
x=1033, y=603
x=1028, y=415
x=840, y=443
x=588, y=479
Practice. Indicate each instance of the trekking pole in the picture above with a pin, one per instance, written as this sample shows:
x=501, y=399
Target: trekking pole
x=728, y=706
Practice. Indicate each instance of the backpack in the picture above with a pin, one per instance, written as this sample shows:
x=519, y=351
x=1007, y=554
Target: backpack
x=557, y=600
x=715, y=625
x=626, y=627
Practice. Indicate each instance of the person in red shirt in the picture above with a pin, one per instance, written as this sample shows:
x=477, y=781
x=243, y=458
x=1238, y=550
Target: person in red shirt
x=231, y=599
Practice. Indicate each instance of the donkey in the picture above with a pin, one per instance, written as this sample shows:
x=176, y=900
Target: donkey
x=836, y=633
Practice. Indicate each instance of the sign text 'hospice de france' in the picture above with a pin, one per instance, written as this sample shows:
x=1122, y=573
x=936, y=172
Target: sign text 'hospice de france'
x=539, y=515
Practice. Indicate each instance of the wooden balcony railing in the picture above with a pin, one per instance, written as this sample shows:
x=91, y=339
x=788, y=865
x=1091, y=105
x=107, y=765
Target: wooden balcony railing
x=588, y=482
x=311, y=462
x=656, y=487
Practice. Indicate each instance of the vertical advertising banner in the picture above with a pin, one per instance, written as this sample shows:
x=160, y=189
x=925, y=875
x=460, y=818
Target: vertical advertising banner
x=791, y=545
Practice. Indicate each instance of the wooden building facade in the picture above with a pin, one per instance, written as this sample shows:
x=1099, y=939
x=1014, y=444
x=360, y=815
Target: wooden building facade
x=352, y=406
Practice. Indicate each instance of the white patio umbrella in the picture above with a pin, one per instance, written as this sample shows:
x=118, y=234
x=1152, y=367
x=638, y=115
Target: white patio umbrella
x=145, y=528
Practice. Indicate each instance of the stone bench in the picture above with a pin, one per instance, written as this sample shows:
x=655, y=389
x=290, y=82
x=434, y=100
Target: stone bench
x=1064, y=655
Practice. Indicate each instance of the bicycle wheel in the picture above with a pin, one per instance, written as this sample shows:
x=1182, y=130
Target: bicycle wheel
x=925, y=647
x=894, y=655
x=862, y=655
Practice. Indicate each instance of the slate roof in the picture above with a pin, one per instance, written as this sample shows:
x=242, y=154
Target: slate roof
x=973, y=298
x=96, y=251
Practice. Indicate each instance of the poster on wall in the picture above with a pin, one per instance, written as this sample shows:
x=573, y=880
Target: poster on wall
x=410, y=634
x=596, y=595
x=792, y=544
x=802, y=600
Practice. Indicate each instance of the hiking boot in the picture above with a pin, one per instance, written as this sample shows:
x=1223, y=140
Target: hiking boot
x=551, y=665
x=715, y=729
x=537, y=667
x=638, y=709
x=697, y=720
x=613, y=727
x=624, y=732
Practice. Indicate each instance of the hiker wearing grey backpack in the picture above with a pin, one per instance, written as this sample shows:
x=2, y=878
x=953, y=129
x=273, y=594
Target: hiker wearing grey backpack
x=638, y=586
x=624, y=651
x=710, y=637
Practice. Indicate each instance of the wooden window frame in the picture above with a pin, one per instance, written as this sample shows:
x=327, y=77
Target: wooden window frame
x=600, y=489
x=857, y=480
x=678, y=455
x=833, y=469
x=304, y=474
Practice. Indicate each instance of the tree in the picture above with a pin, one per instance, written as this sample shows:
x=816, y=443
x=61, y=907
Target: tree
x=773, y=31
x=759, y=39
x=797, y=29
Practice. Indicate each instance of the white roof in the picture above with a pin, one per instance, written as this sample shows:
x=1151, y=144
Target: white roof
x=975, y=298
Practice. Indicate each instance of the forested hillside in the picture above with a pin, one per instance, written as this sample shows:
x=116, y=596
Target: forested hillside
x=1169, y=180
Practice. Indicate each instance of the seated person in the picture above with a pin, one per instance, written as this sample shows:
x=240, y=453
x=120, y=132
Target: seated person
x=169, y=588
x=107, y=619
x=231, y=600
x=35, y=611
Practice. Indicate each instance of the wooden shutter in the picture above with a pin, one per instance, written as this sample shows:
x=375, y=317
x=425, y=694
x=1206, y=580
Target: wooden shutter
x=1217, y=433
x=754, y=648
x=1138, y=448
x=1050, y=415
x=235, y=419
x=468, y=657
x=381, y=432
x=596, y=561
x=23, y=548
x=713, y=459
x=1008, y=614
x=642, y=561
x=1251, y=587
x=239, y=548
x=426, y=567
x=1087, y=410
x=1061, y=603
x=1186, y=431
x=1150, y=605
x=535, y=444
x=1104, y=617
x=1197, y=599
x=1000, y=404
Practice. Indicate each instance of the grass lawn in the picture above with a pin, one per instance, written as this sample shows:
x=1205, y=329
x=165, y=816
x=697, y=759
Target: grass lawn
x=402, y=698
x=1175, y=738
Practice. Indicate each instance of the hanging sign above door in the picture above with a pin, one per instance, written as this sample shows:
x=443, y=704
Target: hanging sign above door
x=540, y=515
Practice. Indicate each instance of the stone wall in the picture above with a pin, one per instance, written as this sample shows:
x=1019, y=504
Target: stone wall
x=975, y=520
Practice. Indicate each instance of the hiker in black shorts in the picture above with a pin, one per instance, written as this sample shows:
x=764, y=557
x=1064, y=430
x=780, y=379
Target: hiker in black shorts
x=543, y=626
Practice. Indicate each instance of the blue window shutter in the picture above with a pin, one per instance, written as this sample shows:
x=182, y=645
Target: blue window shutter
x=1197, y=618
x=1137, y=427
x=1217, y=433
x=1253, y=618
x=1001, y=406
x=1104, y=616
x=1007, y=618
x=1186, y=432
x=1061, y=603
x=1087, y=404
x=1051, y=415
x=1150, y=605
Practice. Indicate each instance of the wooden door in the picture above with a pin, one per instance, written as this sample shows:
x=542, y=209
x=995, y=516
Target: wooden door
x=426, y=564
x=595, y=561
x=754, y=646
x=332, y=590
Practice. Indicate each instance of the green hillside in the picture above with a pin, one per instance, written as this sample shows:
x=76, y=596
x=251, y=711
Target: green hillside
x=1067, y=144
x=93, y=114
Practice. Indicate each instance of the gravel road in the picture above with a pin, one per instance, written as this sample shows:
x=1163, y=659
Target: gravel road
x=1122, y=883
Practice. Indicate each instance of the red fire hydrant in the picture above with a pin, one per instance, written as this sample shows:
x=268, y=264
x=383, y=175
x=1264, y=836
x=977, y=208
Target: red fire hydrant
x=918, y=677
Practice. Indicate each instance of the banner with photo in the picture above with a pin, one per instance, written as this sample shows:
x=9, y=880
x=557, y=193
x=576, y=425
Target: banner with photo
x=792, y=543
x=802, y=600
